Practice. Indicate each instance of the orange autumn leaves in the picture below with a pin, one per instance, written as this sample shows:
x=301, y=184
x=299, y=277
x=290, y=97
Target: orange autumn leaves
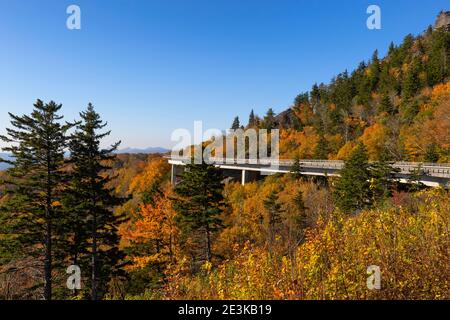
x=374, y=138
x=298, y=144
x=406, y=141
x=408, y=243
x=151, y=224
x=432, y=127
x=247, y=217
x=154, y=171
x=303, y=143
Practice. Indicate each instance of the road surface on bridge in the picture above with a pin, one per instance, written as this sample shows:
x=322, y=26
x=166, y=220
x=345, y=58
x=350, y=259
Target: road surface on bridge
x=431, y=174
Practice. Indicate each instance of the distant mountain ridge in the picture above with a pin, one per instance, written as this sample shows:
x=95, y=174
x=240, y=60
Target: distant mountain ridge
x=149, y=150
x=146, y=150
x=6, y=156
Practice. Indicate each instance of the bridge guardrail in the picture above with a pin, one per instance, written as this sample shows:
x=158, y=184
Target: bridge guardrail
x=432, y=169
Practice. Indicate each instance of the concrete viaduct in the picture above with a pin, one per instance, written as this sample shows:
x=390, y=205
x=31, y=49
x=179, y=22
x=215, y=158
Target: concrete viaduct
x=430, y=174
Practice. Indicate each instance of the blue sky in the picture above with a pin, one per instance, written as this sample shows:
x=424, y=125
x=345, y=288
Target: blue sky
x=151, y=67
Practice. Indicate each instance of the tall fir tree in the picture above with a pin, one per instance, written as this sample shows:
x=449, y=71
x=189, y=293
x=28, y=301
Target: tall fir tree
x=391, y=48
x=352, y=190
x=382, y=180
x=273, y=219
x=90, y=203
x=269, y=121
x=251, y=119
x=431, y=153
x=301, y=99
x=33, y=213
x=439, y=56
x=374, y=70
x=298, y=231
x=315, y=95
x=386, y=105
x=235, y=125
x=414, y=182
x=322, y=149
x=296, y=168
x=299, y=204
x=199, y=204
x=412, y=82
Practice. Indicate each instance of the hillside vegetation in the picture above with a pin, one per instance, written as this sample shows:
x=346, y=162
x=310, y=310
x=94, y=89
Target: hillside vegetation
x=398, y=105
x=136, y=236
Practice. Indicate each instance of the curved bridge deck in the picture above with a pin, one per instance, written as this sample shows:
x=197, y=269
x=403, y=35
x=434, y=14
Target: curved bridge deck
x=430, y=174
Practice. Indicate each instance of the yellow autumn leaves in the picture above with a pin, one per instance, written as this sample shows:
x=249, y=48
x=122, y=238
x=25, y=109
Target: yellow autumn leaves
x=409, y=245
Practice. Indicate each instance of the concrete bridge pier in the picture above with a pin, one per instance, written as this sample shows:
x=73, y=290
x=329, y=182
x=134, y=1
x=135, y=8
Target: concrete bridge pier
x=175, y=172
x=172, y=175
x=243, y=177
x=249, y=176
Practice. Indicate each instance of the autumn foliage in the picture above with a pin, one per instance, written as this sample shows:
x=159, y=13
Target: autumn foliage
x=151, y=224
x=331, y=263
x=284, y=236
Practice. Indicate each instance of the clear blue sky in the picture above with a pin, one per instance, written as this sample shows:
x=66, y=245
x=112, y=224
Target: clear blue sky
x=150, y=67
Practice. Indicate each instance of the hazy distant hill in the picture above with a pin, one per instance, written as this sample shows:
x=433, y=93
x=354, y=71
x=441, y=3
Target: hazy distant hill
x=146, y=150
x=5, y=156
x=150, y=150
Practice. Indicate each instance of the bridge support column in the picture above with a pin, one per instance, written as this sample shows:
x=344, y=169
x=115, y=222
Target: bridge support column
x=173, y=175
x=248, y=176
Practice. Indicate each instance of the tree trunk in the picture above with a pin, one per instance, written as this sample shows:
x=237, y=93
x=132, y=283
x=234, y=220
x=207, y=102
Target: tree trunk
x=94, y=258
x=208, y=244
x=48, y=236
x=94, y=275
x=48, y=262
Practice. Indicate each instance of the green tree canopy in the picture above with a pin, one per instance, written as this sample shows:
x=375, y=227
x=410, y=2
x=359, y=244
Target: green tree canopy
x=352, y=190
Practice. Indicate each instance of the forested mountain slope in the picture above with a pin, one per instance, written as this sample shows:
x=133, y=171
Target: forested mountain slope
x=397, y=105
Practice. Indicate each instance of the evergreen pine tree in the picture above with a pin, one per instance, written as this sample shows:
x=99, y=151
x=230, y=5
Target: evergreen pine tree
x=236, y=125
x=321, y=151
x=409, y=110
x=296, y=168
x=375, y=69
x=352, y=190
x=90, y=203
x=431, y=153
x=251, y=120
x=386, y=105
x=315, y=95
x=439, y=56
x=198, y=206
x=429, y=30
x=274, y=211
x=391, y=48
x=303, y=98
x=414, y=183
x=33, y=213
x=412, y=84
x=301, y=207
x=269, y=121
x=382, y=180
